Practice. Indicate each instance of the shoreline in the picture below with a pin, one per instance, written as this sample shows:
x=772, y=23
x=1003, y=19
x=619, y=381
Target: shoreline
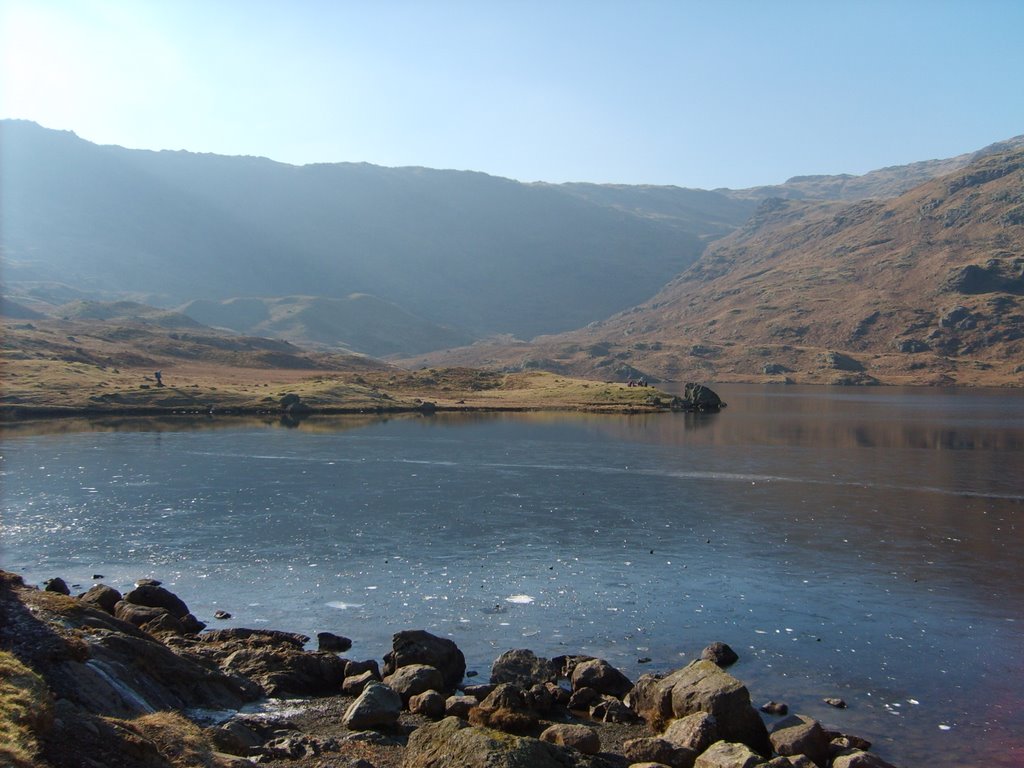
x=418, y=707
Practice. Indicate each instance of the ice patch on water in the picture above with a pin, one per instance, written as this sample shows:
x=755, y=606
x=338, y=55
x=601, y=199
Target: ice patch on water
x=519, y=599
x=341, y=605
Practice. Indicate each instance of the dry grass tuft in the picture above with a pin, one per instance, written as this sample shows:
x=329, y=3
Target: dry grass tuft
x=26, y=713
x=177, y=739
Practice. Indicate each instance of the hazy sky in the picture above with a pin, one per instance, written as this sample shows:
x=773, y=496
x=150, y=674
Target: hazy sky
x=698, y=94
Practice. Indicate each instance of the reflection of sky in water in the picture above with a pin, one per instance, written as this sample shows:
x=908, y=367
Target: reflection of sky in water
x=850, y=545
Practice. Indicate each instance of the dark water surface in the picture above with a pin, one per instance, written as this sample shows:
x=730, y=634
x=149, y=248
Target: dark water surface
x=861, y=543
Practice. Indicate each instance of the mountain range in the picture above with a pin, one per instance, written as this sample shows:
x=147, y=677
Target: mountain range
x=909, y=273
x=925, y=287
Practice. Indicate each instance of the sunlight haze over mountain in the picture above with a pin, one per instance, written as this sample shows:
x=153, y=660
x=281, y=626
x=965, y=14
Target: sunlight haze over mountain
x=694, y=94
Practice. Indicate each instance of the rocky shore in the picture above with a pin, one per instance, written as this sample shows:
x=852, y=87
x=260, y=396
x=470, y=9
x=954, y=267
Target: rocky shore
x=134, y=679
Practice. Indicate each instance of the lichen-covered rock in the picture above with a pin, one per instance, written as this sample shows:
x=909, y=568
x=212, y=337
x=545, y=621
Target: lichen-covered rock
x=800, y=735
x=856, y=758
x=523, y=668
x=727, y=754
x=697, y=732
x=580, y=737
x=451, y=743
x=704, y=687
x=377, y=706
x=658, y=751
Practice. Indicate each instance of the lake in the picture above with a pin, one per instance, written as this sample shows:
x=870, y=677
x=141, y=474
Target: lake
x=864, y=543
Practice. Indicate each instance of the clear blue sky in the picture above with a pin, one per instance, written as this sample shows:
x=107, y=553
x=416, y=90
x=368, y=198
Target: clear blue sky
x=698, y=94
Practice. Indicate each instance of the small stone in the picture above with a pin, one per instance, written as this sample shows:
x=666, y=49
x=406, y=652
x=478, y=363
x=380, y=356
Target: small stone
x=328, y=641
x=834, y=702
x=222, y=615
x=720, y=653
x=57, y=585
x=775, y=708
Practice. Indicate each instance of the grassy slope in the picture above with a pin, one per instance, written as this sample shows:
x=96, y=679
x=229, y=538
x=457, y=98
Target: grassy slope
x=62, y=365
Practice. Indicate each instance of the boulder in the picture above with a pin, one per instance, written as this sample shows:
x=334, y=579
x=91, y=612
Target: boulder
x=701, y=398
x=459, y=706
x=523, y=668
x=429, y=704
x=775, y=708
x=800, y=735
x=420, y=647
x=856, y=758
x=696, y=732
x=377, y=706
x=412, y=679
x=578, y=737
x=540, y=698
x=608, y=709
x=158, y=597
x=451, y=743
x=57, y=585
x=704, y=687
x=143, y=615
x=287, y=671
x=792, y=761
x=505, y=709
x=103, y=597
x=659, y=751
x=582, y=699
x=328, y=641
x=727, y=754
x=720, y=653
x=353, y=685
x=358, y=667
x=479, y=692
x=602, y=677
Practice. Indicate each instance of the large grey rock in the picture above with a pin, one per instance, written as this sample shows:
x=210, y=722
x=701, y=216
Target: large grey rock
x=412, y=679
x=452, y=743
x=703, y=687
x=800, y=735
x=284, y=670
x=377, y=706
x=602, y=677
x=697, y=731
x=420, y=647
x=523, y=668
x=727, y=754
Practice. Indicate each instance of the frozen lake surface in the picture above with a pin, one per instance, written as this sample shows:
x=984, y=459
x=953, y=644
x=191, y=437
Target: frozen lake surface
x=861, y=543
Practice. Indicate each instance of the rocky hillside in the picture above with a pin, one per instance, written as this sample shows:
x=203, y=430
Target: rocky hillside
x=927, y=287
x=881, y=183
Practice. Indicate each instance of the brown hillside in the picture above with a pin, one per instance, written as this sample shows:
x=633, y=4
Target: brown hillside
x=924, y=288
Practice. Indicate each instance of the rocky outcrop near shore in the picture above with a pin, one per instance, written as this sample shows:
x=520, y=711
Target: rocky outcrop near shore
x=98, y=690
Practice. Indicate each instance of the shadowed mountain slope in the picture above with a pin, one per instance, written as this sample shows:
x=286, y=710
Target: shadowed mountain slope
x=461, y=249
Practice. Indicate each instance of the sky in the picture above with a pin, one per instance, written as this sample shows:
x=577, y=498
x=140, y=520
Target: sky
x=733, y=93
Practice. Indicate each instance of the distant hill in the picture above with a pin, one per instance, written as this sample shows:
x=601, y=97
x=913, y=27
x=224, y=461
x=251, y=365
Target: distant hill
x=464, y=250
x=927, y=287
x=359, y=323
